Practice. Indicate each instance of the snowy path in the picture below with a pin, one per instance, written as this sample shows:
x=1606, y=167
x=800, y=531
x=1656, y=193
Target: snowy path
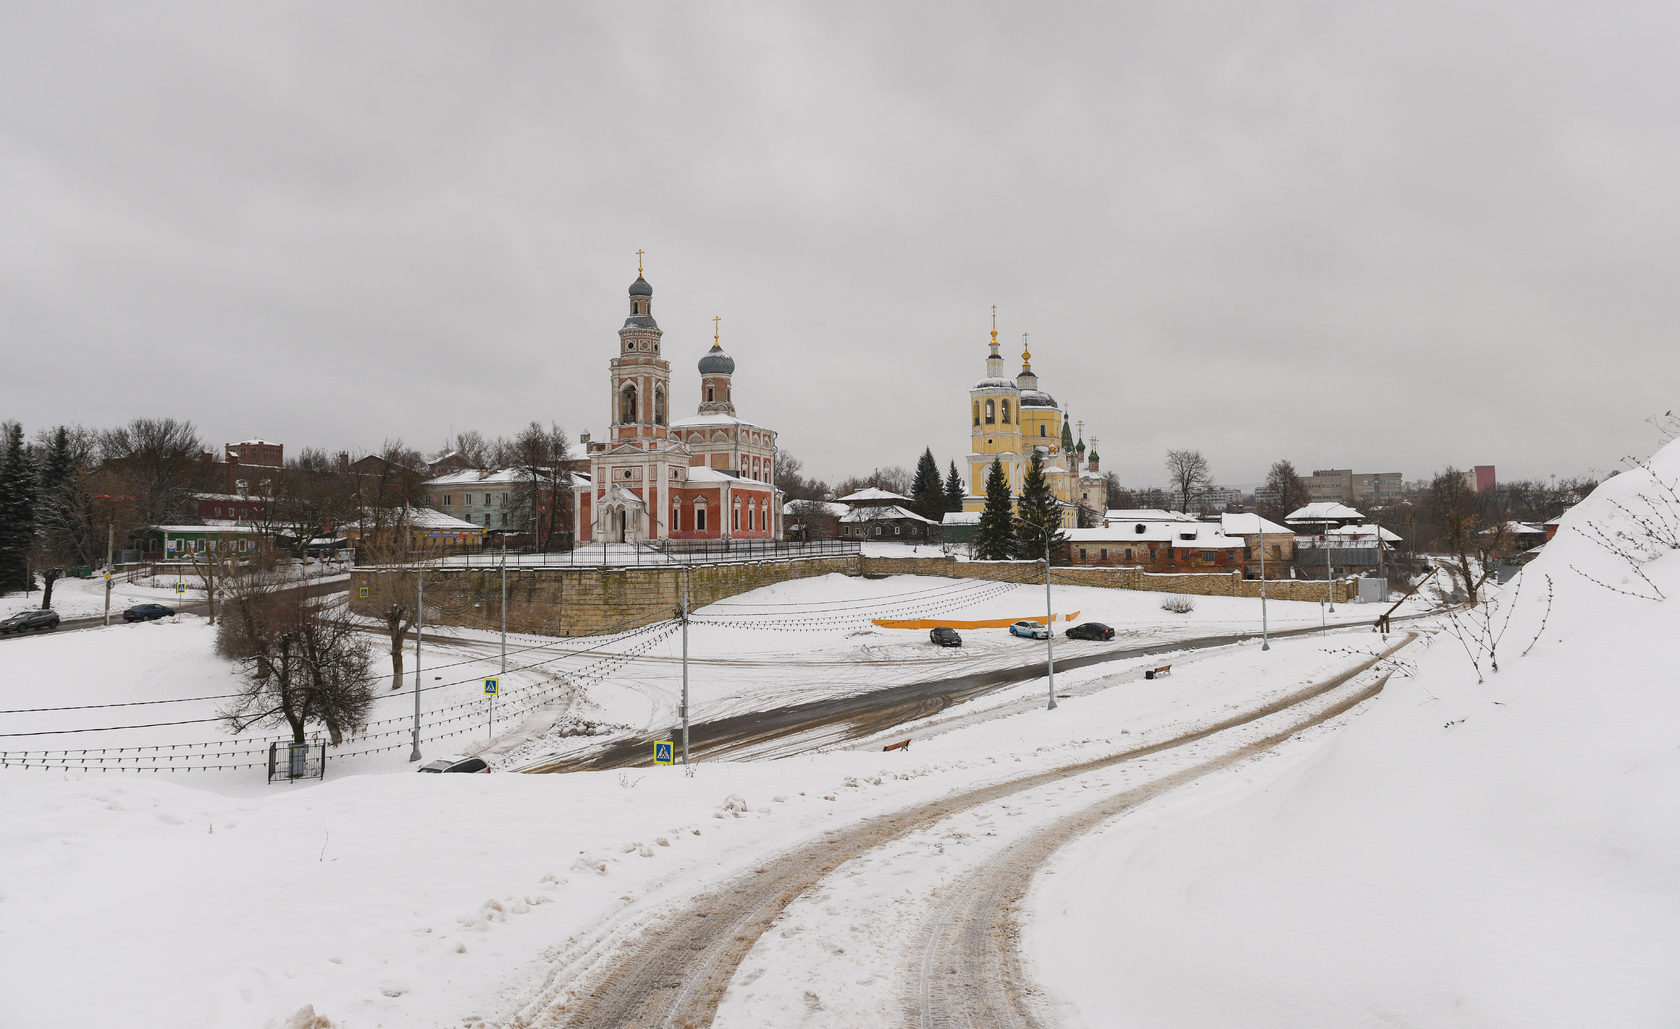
x=679, y=972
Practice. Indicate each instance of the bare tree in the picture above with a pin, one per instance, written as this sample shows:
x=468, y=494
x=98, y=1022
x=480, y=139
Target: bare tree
x=1472, y=529
x=310, y=497
x=892, y=478
x=160, y=462
x=303, y=662
x=1283, y=493
x=791, y=479
x=543, y=498
x=1118, y=496
x=1187, y=473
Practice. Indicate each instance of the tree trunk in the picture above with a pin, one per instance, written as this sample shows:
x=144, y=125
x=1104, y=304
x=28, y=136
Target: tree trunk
x=47, y=577
x=397, y=634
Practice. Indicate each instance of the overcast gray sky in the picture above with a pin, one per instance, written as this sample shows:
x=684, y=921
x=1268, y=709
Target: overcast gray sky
x=1392, y=237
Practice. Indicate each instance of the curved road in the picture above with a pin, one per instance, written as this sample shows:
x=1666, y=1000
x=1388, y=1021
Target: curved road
x=676, y=976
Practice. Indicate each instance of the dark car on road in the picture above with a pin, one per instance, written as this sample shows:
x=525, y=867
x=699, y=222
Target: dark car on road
x=1090, y=631
x=26, y=621
x=456, y=763
x=147, y=612
x=945, y=636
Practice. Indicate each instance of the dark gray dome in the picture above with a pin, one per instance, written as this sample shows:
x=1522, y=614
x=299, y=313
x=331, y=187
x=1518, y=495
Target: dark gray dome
x=1036, y=398
x=640, y=288
x=640, y=321
x=716, y=362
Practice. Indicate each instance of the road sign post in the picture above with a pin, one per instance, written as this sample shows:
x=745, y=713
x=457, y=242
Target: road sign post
x=492, y=687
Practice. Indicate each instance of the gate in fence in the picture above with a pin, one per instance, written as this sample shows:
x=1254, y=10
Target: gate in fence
x=288, y=762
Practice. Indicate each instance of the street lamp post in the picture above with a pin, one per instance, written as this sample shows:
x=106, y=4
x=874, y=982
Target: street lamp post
x=419, y=634
x=1265, y=639
x=1049, y=621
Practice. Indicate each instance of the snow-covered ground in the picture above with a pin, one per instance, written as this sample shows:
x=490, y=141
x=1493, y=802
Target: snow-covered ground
x=85, y=598
x=1453, y=852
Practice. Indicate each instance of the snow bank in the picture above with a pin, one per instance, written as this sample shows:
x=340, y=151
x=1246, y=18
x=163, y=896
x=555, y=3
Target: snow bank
x=1494, y=852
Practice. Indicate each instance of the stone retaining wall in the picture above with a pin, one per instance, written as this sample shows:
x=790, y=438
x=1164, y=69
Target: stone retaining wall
x=1230, y=584
x=577, y=601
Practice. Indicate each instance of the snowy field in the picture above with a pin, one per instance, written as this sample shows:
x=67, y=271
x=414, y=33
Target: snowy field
x=1471, y=847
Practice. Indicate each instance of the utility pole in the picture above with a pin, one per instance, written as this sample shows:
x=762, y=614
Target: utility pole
x=685, y=666
x=504, y=639
x=419, y=633
x=1049, y=619
x=1265, y=640
x=110, y=538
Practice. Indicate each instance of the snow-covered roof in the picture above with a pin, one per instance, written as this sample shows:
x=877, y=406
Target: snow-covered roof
x=1201, y=535
x=882, y=514
x=694, y=420
x=1523, y=529
x=423, y=518
x=479, y=477
x=869, y=493
x=1370, y=529
x=1323, y=511
x=827, y=507
x=1146, y=514
x=962, y=518
x=1250, y=525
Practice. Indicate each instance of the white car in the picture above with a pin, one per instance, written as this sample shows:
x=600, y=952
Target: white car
x=1031, y=630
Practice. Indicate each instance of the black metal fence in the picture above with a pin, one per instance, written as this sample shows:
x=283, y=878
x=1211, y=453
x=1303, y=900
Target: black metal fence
x=288, y=762
x=657, y=552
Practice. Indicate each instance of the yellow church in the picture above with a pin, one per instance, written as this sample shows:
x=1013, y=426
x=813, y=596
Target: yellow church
x=1011, y=420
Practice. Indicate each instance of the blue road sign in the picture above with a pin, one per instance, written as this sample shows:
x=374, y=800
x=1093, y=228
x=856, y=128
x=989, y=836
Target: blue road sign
x=492, y=687
x=663, y=752
x=180, y=587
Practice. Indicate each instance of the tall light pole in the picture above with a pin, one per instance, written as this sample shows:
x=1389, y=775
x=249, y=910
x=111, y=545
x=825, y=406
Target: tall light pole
x=1265, y=639
x=1329, y=574
x=504, y=639
x=1049, y=620
x=419, y=634
x=685, y=666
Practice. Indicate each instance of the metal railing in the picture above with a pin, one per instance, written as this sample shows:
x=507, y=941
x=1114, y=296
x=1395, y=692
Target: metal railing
x=632, y=555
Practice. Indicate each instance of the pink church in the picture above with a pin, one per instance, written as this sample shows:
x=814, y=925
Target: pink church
x=710, y=476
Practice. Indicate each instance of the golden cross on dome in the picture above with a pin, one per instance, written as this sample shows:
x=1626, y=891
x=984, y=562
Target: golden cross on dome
x=715, y=319
x=1026, y=352
x=639, y=254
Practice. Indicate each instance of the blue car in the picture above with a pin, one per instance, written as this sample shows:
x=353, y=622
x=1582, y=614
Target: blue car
x=1030, y=630
x=147, y=612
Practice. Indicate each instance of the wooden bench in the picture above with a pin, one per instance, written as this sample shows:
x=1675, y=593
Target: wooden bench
x=1156, y=673
x=900, y=745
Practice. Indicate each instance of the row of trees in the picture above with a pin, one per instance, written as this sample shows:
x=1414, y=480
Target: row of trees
x=1020, y=529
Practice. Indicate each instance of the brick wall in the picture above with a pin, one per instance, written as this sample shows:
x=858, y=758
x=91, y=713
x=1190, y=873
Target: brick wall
x=578, y=601
x=1230, y=584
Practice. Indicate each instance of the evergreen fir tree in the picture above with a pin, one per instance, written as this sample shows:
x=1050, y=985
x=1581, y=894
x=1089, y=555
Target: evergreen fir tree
x=1037, y=514
x=995, y=540
x=17, y=511
x=55, y=522
x=926, y=495
x=953, y=489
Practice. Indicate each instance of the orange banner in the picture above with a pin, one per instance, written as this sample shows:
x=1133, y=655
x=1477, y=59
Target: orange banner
x=981, y=623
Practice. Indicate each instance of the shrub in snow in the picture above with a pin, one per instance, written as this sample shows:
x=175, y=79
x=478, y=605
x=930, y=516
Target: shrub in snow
x=1178, y=605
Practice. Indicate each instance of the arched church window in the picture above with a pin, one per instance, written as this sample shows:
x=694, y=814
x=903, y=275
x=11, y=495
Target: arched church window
x=1006, y=412
x=1041, y=431
x=977, y=412
x=736, y=521
x=658, y=407
x=627, y=403
x=710, y=396
x=991, y=412
x=699, y=516
x=676, y=516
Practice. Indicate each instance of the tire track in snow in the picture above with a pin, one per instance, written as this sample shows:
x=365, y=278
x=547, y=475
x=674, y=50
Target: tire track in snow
x=675, y=972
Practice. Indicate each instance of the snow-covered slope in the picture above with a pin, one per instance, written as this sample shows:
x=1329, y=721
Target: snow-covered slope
x=1495, y=852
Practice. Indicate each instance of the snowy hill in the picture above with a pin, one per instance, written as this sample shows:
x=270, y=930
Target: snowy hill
x=1494, y=852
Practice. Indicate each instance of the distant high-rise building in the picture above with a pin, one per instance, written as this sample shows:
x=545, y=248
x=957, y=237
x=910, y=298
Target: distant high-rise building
x=1484, y=478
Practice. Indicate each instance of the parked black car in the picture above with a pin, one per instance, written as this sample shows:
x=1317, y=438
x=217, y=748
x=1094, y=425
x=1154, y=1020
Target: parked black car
x=1090, y=631
x=945, y=636
x=24, y=621
x=456, y=763
x=147, y=612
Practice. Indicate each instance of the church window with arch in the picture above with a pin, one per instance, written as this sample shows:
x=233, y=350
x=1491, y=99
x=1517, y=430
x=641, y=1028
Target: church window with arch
x=1006, y=412
x=676, y=516
x=991, y=412
x=699, y=516
x=977, y=412
x=658, y=406
x=627, y=403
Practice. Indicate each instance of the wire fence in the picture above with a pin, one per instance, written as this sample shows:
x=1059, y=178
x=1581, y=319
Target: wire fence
x=659, y=553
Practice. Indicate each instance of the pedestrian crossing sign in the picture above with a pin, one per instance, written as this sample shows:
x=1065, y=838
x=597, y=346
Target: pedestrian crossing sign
x=180, y=587
x=362, y=591
x=492, y=687
x=662, y=752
